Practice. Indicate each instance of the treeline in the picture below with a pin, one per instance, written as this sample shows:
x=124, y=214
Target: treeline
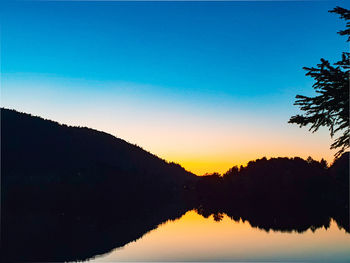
x=101, y=192
x=49, y=165
x=289, y=189
x=70, y=193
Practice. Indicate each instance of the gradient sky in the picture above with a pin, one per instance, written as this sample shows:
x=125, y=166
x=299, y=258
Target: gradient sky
x=206, y=84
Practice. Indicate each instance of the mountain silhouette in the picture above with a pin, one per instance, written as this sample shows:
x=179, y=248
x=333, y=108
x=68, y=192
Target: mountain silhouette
x=41, y=146
x=89, y=190
x=72, y=193
x=39, y=155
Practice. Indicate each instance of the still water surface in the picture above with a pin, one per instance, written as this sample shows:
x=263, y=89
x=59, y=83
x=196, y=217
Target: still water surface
x=195, y=238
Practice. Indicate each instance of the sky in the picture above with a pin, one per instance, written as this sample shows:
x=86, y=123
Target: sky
x=208, y=85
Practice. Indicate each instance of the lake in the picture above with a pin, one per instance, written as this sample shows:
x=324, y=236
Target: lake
x=195, y=238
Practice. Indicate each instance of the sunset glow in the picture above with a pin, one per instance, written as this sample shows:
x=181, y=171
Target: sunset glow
x=185, y=93
x=174, y=131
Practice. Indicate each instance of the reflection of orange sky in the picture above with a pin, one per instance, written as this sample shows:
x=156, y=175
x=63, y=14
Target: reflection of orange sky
x=195, y=238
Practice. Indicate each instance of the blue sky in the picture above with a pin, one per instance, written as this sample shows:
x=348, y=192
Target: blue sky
x=171, y=64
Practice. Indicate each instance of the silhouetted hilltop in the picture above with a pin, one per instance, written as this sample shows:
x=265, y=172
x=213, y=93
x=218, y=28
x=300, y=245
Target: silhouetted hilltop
x=43, y=147
x=94, y=192
x=88, y=189
x=282, y=194
x=272, y=181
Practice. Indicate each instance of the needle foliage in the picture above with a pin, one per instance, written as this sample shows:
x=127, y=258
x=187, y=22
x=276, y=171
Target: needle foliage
x=330, y=107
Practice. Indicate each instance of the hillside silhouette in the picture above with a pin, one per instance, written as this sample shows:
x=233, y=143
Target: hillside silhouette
x=43, y=158
x=89, y=190
x=70, y=193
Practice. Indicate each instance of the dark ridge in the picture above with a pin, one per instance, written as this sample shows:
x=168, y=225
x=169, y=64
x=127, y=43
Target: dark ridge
x=70, y=193
x=44, y=145
x=284, y=194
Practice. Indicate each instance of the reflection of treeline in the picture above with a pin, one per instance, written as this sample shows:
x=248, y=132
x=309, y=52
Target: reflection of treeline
x=280, y=193
x=70, y=193
x=50, y=236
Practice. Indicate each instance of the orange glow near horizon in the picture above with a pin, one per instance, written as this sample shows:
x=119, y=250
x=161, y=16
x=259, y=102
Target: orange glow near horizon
x=221, y=158
x=202, y=166
x=202, y=139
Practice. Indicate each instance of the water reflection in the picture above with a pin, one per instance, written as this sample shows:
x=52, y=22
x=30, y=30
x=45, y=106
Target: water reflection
x=59, y=237
x=75, y=194
x=195, y=238
x=172, y=232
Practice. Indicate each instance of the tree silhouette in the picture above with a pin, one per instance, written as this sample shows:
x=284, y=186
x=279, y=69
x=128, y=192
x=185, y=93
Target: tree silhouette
x=331, y=107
